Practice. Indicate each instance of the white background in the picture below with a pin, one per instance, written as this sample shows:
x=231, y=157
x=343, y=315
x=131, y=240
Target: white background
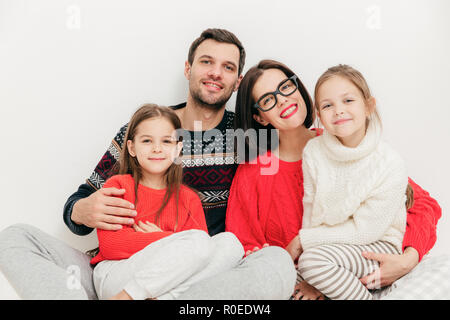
x=73, y=72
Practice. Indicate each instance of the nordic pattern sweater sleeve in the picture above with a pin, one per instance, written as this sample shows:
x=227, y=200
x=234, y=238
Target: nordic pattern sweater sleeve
x=83, y=191
x=421, y=221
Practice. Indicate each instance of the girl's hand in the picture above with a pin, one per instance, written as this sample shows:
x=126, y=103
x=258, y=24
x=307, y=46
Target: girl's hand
x=294, y=248
x=392, y=267
x=304, y=291
x=146, y=227
x=249, y=252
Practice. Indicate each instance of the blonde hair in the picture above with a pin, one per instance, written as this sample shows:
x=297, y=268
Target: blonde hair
x=352, y=75
x=355, y=77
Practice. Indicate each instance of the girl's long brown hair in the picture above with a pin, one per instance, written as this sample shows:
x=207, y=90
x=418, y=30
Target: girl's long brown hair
x=130, y=165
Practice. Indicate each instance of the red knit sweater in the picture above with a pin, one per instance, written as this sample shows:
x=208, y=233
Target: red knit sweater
x=121, y=244
x=269, y=208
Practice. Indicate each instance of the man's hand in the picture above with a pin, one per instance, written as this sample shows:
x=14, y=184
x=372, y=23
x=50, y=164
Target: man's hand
x=392, y=267
x=103, y=210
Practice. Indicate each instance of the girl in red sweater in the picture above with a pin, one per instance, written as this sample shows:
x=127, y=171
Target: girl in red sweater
x=168, y=248
x=266, y=209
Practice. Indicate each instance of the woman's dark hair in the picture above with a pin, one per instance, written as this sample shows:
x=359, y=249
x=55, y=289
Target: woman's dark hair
x=244, y=109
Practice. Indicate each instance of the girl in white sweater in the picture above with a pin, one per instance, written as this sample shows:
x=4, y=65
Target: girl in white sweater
x=354, y=186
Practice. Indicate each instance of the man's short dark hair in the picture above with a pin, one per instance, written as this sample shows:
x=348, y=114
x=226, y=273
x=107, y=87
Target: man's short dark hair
x=219, y=35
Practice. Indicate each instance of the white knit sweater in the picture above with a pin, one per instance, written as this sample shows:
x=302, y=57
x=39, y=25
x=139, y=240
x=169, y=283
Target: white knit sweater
x=353, y=195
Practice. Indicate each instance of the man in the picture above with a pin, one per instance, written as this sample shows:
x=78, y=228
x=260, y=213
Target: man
x=214, y=70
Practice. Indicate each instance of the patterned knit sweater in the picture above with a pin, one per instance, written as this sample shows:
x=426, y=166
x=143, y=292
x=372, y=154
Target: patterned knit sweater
x=353, y=195
x=209, y=164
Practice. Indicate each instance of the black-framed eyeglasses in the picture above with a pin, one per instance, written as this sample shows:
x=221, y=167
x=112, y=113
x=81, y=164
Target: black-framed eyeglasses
x=269, y=99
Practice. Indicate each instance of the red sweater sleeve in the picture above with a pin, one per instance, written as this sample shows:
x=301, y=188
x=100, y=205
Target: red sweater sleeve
x=242, y=217
x=121, y=244
x=421, y=223
x=195, y=214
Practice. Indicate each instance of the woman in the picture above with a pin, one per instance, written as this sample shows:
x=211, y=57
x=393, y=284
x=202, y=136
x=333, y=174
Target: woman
x=266, y=209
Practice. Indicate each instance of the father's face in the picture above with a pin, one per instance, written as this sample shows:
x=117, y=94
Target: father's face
x=213, y=75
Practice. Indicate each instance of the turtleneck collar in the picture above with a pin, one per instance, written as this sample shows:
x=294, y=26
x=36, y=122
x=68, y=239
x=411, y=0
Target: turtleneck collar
x=337, y=151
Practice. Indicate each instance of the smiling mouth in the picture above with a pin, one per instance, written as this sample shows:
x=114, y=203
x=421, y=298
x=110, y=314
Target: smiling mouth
x=289, y=111
x=156, y=159
x=214, y=85
x=341, y=121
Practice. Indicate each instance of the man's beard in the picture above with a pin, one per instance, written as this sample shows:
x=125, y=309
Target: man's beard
x=212, y=105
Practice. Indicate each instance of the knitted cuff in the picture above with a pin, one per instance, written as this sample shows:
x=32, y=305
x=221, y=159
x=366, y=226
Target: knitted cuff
x=415, y=242
x=78, y=229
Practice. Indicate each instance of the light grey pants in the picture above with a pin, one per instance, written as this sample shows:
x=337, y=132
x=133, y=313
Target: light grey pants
x=335, y=269
x=168, y=267
x=39, y=266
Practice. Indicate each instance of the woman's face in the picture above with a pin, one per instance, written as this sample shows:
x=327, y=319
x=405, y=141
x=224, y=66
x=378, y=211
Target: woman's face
x=289, y=112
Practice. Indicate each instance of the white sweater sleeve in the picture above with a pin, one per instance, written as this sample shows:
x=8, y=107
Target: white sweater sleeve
x=371, y=220
x=309, y=189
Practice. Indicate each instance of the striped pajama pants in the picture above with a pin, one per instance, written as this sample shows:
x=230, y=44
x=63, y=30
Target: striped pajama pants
x=335, y=269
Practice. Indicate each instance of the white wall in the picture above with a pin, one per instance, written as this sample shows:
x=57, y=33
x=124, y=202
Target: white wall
x=73, y=72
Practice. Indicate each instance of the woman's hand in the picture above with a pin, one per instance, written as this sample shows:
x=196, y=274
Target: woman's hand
x=304, y=291
x=294, y=248
x=392, y=267
x=146, y=227
x=249, y=252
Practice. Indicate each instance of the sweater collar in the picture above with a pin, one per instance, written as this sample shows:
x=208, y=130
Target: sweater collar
x=337, y=151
